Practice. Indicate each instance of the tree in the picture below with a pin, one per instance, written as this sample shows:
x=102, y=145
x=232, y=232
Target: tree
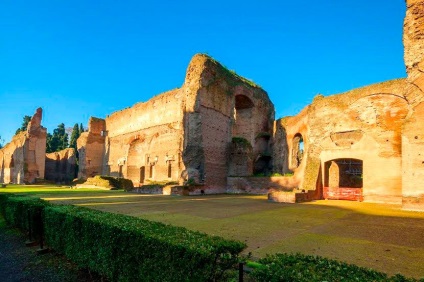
x=1, y=142
x=24, y=125
x=81, y=129
x=74, y=136
x=58, y=140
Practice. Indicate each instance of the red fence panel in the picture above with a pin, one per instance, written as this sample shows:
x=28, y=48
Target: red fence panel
x=343, y=193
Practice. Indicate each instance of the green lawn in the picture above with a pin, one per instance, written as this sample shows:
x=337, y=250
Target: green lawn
x=379, y=236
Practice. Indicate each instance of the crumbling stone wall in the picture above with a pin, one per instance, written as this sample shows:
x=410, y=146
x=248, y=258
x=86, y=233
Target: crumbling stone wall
x=61, y=166
x=184, y=134
x=413, y=128
x=363, y=124
x=23, y=159
x=91, y=148
x=221, y=105
x=143, y=143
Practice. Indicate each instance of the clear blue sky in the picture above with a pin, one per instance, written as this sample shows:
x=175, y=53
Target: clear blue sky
x=77, y=59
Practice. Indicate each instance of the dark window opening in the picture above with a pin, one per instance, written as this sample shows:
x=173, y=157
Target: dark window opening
x=142, y=174
x=169, y=169
x=151, y=171
x=344, y=173
x=120, y=171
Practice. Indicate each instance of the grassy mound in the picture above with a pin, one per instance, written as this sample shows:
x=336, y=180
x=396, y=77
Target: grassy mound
x=110, y=182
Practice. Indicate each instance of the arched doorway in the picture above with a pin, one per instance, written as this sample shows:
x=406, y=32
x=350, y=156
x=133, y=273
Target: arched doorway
x=142, y=174
x=135, y=161
x=343, y=179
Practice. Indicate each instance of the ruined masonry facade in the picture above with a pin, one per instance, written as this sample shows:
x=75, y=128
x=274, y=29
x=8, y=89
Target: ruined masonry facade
x=23, y=159
x=218, y=130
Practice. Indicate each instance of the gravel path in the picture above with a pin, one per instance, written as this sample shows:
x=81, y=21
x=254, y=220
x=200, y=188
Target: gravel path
x=21, y=263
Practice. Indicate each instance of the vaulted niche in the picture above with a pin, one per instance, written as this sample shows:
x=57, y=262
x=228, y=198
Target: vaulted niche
x=135, y=170
x=298, y=150
x=243, y=113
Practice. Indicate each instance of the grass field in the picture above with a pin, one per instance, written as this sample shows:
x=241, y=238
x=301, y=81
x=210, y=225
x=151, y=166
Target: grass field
x=382, y=237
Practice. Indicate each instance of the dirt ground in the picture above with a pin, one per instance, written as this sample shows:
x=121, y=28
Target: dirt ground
x=382, y=237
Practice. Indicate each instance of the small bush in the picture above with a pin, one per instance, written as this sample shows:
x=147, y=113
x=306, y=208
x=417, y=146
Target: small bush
x=299, y=267
x=241, y=142
x=110, y=182
x=160, y=183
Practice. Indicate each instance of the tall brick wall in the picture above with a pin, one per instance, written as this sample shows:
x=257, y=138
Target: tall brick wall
x=212, y=118
x=91, y=149
x=60, y=166
x=23, y=159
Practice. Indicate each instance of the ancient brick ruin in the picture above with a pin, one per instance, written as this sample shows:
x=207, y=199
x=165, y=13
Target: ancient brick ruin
x=218, y=130
x=184, y=135
x=23, y=159
x=61, y=166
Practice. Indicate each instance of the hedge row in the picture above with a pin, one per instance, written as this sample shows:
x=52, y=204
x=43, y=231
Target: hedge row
x=299, y=267
x=23, y=211
x=125, y=248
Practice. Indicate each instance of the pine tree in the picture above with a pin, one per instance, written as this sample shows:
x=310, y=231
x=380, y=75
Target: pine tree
x=58, y=140
x=24, y=125
x=74, y=136
x=81, y=129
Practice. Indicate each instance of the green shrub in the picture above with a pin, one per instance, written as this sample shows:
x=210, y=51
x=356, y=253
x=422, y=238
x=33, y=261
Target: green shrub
x=110, y=182
x=241, y=142
x=299, y=267
x=160, y=183
x=20, y=211
x=126, y=248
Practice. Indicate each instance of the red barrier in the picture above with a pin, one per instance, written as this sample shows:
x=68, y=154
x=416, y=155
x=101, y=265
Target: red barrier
x=343, y=193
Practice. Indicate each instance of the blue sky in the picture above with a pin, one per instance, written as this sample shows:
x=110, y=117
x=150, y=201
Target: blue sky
x=77, y=59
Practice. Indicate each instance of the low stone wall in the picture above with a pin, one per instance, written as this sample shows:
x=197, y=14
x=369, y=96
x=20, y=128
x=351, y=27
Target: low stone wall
x=292, y=196
x=413, y=203
x=149, y=189
x=260, y=185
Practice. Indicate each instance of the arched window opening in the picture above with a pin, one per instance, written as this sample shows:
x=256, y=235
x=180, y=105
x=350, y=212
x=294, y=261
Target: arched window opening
x=298, y=150
x=12, y=162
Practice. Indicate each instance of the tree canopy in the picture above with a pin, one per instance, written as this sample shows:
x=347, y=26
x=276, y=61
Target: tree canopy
x=58, y=140
x=24, y=125
x=74, y=136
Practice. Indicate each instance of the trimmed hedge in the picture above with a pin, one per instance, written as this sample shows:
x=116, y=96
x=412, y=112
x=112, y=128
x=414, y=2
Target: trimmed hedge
x=299, y=268
x=20, y=211
x=125, y=248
